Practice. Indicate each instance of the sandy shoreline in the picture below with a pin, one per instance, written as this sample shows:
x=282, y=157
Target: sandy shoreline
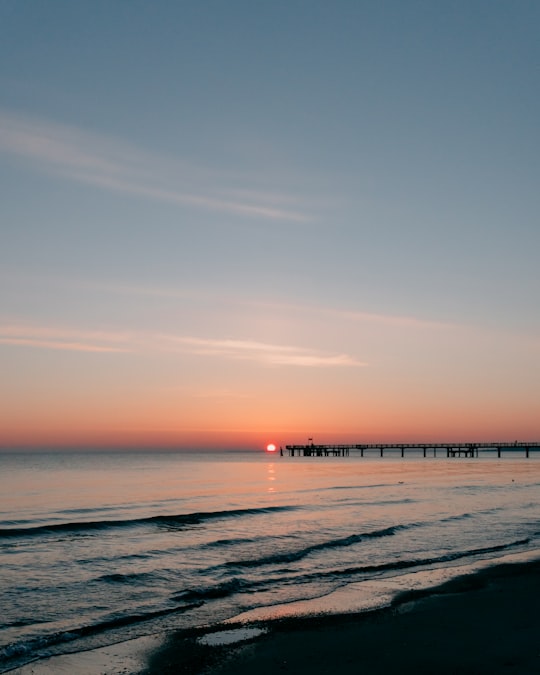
x=483, y=623
x=487, y=622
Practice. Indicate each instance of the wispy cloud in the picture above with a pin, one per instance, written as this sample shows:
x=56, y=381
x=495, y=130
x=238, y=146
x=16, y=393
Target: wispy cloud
x=269, y=306
x=261, y=352
x=352, y=315
x=27, y=335
x=64, y=339
x=63, y=345
x=116, y=166
x=272, y=307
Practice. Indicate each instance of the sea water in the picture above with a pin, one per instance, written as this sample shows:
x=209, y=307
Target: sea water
x=96, y=548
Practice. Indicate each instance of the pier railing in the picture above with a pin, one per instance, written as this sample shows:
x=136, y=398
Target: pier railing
x=451, y=449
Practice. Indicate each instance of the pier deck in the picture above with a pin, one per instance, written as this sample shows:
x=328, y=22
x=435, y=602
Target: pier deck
x=451, y=449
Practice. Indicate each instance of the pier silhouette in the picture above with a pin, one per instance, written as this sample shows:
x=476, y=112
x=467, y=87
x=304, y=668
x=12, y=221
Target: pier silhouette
x=427, y=449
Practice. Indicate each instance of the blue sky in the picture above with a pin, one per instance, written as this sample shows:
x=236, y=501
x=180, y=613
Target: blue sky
x=332, y=203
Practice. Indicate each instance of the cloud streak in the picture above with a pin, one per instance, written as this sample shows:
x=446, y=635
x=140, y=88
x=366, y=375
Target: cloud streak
x=262, y=352
x=62, y=345
x=282, y=308
x=354, y=316
x=43, y=337
x=235, y=299
x=119, y=167
x=266, y=354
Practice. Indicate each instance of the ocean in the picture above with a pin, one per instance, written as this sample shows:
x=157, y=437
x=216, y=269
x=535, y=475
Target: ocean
x=97, y=548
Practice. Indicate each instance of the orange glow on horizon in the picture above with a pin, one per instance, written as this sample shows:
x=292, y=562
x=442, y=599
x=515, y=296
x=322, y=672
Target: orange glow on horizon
x=173, y=419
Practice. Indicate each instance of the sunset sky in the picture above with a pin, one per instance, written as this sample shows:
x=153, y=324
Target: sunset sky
x=229, y=223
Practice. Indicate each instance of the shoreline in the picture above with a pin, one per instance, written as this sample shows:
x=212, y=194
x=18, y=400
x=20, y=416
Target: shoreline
x=486, y=622
x=483, y=622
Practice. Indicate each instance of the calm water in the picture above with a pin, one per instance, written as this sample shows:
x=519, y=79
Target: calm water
x=103, y=547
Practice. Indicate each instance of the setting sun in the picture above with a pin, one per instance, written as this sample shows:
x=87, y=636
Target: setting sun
x=270, y=447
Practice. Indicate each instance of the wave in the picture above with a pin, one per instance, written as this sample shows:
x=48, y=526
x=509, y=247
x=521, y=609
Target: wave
x=462, y=516
x=418, y=562
x=360, y=487
x=230, y=542
x=216, y=591
x=193, y=598
x=388, y=502
x=475, y=514
x=203, y=593
x=333, y=488
x=126, y=578
x=31, y=646
x=178, y=521
x=293, y=556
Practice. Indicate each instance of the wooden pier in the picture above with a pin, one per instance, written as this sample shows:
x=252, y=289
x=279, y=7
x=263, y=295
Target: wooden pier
x=427, y=449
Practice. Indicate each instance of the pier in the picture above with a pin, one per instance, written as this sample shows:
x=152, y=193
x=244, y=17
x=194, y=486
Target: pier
x=427, y=449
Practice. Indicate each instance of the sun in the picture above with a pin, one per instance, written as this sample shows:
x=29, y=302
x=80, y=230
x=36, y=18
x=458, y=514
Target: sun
x=270, y=447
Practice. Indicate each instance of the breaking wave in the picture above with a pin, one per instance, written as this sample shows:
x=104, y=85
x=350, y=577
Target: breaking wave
x=172, y=522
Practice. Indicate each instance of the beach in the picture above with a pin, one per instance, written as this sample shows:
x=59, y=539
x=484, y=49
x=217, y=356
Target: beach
x=483, y=623
x=234, y=563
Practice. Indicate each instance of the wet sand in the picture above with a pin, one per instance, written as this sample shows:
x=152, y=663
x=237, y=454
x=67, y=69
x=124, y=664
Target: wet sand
x=485, y=623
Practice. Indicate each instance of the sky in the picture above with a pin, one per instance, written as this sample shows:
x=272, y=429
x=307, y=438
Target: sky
x=224, y=224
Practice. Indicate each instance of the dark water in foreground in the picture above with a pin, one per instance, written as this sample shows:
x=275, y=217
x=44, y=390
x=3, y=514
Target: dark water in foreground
x=103, y=547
